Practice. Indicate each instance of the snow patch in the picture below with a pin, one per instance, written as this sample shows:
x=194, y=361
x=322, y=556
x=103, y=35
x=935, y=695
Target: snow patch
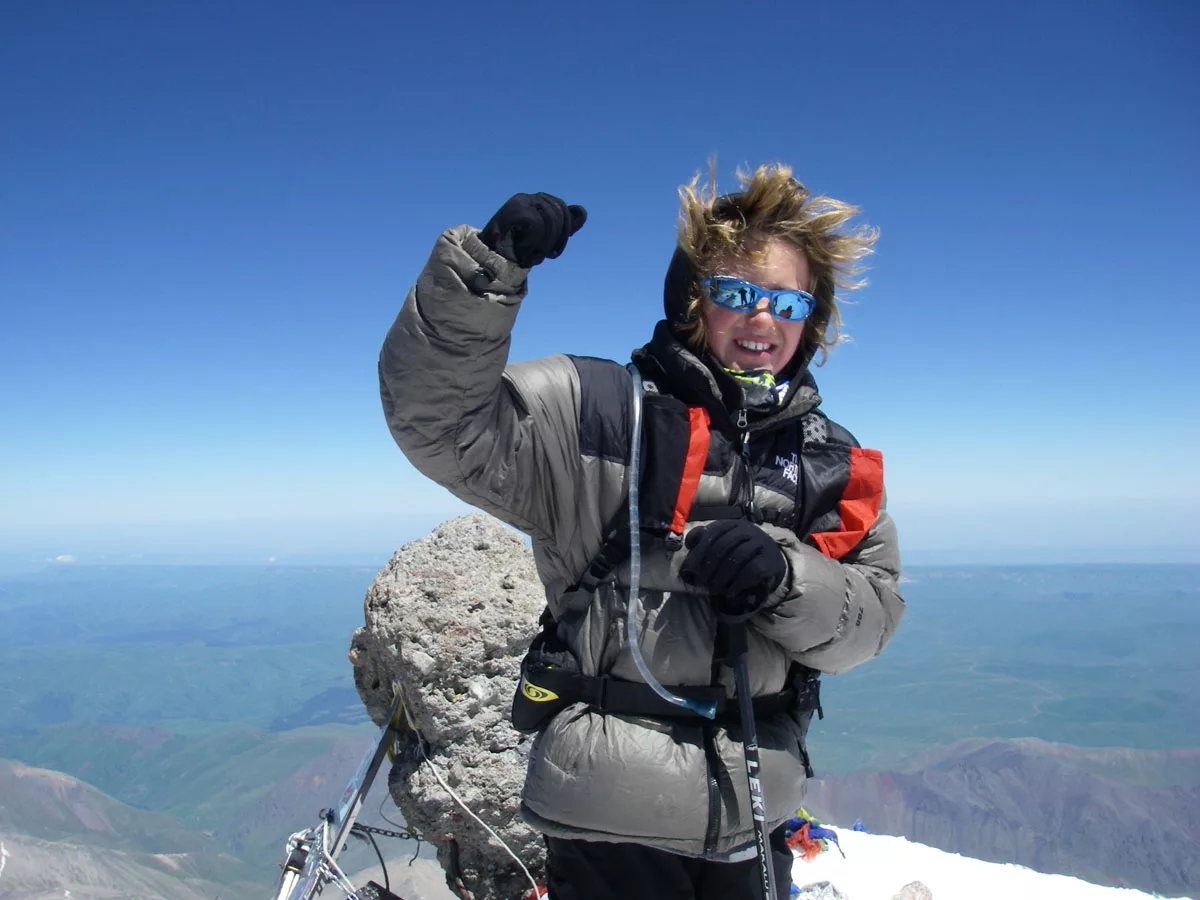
x=877, y=866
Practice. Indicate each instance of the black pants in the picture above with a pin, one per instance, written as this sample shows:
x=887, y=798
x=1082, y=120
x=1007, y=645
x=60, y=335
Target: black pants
x=591, y=870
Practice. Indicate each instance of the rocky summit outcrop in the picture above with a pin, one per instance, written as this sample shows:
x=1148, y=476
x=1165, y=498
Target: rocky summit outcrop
x=448, y=620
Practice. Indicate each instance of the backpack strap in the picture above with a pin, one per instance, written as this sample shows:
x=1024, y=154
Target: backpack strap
x=577, y=598
x=668, y=481
x=693, y=468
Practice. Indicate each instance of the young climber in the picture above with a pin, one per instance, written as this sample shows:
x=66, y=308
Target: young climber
x=786, y=530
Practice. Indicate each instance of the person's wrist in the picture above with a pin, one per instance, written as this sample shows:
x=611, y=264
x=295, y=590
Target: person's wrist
x=491, y=272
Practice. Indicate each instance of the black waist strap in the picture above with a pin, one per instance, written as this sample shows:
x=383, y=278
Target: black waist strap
x=634, y=698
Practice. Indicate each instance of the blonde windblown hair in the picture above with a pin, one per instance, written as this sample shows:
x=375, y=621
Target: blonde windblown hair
x=772, y=205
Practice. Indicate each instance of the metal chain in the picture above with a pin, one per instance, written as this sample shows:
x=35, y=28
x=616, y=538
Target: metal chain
x=405, y=835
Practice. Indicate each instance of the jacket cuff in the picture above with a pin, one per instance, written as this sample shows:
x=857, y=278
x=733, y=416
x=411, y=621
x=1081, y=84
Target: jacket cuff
x=786, y=587
x=492, y=274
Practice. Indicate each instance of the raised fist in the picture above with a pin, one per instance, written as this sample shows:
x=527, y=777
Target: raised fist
x=531, y=228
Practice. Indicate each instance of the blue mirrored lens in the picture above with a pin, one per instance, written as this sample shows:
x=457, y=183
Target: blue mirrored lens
x=742, y=296
x=732, y=293
x=790, y=305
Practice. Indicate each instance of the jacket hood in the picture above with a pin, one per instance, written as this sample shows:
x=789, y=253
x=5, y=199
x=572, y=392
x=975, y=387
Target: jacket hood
x=677, y=288
x=680, y=275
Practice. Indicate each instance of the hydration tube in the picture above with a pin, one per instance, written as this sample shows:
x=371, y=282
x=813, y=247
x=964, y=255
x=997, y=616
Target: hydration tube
x=707, y=710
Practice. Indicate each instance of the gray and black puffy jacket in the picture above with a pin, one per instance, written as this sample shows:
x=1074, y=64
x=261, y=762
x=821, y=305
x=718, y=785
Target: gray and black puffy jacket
x=543, y=445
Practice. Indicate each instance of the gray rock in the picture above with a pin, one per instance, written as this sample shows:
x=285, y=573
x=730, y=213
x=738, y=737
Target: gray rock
x=914, y=890
x=448, y=619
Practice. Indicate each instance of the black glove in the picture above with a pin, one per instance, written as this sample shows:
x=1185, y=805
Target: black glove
x=531, y=228
x=737, y=561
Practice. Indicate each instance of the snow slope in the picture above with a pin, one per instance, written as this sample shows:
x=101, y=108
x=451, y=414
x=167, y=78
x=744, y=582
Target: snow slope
x=877, y=866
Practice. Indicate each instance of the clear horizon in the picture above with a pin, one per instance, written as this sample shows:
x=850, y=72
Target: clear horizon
x=353, y=542
x=213, y=214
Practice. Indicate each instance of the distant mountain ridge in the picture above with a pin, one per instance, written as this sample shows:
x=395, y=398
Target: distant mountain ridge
x=61, y=834
x=247, y=788
x=1057, y=809
x=93, y=856
x=1178, y=767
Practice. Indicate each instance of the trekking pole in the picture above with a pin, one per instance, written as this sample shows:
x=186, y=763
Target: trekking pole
x=737, y=655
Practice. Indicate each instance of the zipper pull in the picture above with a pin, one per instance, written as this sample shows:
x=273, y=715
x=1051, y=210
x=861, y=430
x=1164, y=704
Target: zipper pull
x=742, y=420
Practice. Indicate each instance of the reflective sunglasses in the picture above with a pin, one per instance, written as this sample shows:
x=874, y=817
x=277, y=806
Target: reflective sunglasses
x=742, y=296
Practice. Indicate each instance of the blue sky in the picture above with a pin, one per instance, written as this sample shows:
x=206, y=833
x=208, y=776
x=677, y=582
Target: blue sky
x=211, y=214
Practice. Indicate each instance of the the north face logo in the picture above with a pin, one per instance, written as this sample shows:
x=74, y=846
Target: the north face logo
x=791, y=467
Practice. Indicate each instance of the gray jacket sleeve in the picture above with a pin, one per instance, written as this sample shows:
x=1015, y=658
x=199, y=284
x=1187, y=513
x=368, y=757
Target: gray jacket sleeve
x=833, y=615
x=502, y=438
